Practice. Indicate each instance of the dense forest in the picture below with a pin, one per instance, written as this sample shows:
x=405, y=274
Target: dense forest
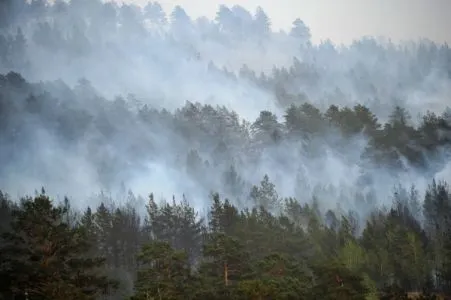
x=153, y=156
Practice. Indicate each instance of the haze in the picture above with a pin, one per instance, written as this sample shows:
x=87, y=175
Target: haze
x=331, y=138
x=120, y=97
x=345, y=20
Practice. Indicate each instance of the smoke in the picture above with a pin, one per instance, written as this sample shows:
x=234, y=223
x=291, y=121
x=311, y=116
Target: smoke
x=128, y=57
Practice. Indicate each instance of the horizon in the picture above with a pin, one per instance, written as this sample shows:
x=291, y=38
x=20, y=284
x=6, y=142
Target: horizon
x=342, y=22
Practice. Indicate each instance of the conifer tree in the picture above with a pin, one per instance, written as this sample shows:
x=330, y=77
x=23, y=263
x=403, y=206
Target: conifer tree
x=46, y=258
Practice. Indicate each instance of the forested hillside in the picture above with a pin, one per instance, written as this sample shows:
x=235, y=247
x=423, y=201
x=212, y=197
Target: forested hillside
x=217, y=159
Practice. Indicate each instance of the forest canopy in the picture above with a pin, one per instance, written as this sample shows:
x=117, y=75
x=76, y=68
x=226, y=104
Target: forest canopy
x=217, y=159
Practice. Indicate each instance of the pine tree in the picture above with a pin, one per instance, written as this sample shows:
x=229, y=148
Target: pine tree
x=46, y=258
x=164, y=273
x=334, y=281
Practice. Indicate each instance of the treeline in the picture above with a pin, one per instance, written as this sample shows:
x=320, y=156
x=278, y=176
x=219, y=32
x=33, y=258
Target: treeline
x=212, y=146
x=203, y=139
x=253, y=243
x=50, y=251
x=36, y=33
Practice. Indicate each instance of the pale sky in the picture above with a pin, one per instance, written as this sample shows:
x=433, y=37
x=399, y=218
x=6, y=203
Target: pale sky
x=342, y=20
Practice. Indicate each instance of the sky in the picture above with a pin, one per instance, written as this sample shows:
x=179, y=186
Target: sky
x=342, y=21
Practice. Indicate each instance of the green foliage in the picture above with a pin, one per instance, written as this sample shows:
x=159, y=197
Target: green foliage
x=275, y=248
x=46, y=258
x=297, y=252
x=333, y=280
x=164, y=273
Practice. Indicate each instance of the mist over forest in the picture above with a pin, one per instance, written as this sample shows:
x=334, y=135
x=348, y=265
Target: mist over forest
x=133, y=97
x=107, y=103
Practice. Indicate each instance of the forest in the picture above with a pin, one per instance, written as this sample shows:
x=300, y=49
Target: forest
x=147, y=155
